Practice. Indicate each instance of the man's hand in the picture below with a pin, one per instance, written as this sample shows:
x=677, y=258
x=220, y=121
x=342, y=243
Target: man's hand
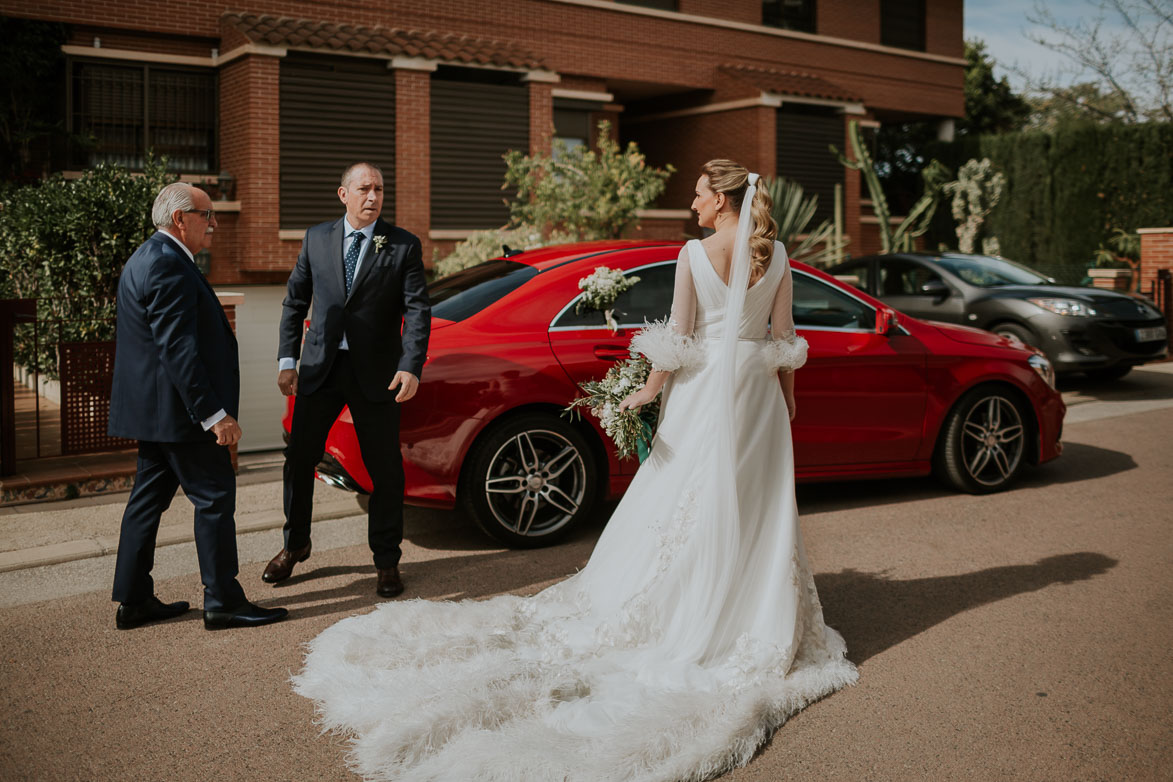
x=227, y=431
x=407, y=384
x=287, y=381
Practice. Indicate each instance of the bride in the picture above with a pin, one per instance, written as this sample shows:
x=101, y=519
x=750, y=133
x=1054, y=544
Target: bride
x=693, y=632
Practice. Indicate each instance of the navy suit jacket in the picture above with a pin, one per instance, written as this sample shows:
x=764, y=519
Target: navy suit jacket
x=176, y=360
x=387, y=317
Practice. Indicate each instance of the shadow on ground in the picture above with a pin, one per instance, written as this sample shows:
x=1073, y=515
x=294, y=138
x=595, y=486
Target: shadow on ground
x=1138, y=384
x=875, y=613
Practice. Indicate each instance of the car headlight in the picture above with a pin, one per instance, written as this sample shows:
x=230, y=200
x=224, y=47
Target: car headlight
x=1071, y=307
x=1040, y=364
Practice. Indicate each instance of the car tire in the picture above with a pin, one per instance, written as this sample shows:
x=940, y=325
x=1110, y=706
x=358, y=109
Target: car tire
x=530, y=480
x=983, y=445
x=1109, y=374
x=364, y=502
x=1016, y=333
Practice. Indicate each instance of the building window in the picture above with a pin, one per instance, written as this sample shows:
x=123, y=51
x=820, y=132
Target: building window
x=663, y=5
x=334, y=111
x=902, y=24
x=789, y=14
x=572, y=121
x=122, y=111
x=477, y=116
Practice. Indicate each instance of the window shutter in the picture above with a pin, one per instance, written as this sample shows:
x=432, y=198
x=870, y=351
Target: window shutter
x=804, y=134
x=473, y=124
x=335, y=111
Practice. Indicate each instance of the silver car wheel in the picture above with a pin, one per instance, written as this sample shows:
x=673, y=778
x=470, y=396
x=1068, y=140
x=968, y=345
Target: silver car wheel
x=992, y=441
x=535, y=483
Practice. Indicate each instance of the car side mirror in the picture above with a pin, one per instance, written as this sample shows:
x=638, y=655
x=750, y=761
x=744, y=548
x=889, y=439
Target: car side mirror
x=887, y=321
x=935, y=288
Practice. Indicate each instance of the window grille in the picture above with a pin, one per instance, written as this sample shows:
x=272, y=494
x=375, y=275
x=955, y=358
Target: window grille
x=120, y=111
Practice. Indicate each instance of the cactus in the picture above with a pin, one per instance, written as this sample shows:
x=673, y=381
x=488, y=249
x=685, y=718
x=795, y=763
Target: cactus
x=919, y=217
x=975, y=194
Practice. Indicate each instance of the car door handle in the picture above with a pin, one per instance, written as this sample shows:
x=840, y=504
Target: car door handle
x=611, y=352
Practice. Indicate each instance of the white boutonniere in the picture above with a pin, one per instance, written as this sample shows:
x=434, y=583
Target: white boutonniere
x=379, y=242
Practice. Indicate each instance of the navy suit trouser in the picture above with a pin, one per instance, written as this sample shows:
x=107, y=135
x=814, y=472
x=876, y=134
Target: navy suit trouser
x=204, y=470
x=377, y=426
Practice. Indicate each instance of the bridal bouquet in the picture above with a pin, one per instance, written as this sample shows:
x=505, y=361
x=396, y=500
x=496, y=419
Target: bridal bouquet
x=631, y=431
x=600, y=290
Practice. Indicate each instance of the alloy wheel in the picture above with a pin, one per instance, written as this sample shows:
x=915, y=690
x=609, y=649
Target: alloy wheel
x=535, y=483
x=992, y=441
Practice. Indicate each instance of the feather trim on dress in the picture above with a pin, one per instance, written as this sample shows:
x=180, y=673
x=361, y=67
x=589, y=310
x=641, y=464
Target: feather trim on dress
x=667, y=350
x=786, y=353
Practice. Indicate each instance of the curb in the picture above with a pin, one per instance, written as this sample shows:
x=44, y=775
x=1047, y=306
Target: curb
x=70, y=551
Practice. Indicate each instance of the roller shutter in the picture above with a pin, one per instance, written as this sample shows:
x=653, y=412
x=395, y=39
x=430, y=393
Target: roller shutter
x=804, y=134
x=473, y=124
x=334, y=111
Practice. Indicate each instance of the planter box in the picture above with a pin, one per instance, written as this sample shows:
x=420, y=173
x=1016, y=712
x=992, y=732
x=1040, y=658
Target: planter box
x=1111, y=279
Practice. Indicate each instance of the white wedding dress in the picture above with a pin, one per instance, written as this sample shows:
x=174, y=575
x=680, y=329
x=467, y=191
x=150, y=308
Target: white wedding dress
x=693, y=632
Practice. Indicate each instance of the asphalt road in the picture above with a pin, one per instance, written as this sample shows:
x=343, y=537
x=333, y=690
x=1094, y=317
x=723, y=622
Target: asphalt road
x=1024, y=635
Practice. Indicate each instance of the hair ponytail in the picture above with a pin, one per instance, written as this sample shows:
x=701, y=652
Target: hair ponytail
x=732, y=179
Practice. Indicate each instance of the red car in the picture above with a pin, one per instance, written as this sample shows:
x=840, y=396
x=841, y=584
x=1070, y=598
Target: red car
x=881, y=395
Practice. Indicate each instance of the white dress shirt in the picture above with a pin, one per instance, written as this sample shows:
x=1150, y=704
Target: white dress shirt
x=220, y=414
x=288, y=362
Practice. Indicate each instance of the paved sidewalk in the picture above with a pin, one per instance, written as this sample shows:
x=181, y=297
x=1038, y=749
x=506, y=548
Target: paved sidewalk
x=64, y=531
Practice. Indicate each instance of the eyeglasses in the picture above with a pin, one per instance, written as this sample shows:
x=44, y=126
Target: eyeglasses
x=207, y=213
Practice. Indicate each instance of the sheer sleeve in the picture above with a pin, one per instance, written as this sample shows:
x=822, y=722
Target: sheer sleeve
x=786, y=350
x=669, y=344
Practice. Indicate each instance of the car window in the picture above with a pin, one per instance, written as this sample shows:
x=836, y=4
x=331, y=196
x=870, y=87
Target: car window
x=986, y=272
x=899, y=277
x=469, y=291
x=818, y=304
x=862, y=271
x=649, y=299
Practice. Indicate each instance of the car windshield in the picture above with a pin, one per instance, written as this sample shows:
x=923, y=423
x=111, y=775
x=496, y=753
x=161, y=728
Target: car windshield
x=986, y=272
x=469, y=291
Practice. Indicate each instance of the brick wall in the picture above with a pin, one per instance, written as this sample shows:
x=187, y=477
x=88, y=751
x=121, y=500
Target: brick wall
x=595, y=49
x=1156, y=253
x=250, y=151
x=413, y=167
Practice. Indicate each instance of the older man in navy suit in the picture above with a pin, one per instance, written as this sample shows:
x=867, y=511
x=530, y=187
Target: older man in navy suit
x=176, y=390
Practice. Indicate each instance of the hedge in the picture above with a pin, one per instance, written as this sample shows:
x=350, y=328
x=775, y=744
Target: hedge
x=64, y=242
x=1067, y=190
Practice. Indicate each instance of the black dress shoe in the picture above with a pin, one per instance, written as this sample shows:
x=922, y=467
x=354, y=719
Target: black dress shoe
x=388, y=583
x=132, y=615
x=247, y=615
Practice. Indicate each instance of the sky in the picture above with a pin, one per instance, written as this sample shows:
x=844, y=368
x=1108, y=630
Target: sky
x=1003, y=25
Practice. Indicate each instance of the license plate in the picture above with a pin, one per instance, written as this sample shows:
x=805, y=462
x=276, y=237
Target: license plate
x=1150, y=334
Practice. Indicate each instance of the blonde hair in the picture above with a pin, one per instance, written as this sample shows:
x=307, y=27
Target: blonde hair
x=732, y=179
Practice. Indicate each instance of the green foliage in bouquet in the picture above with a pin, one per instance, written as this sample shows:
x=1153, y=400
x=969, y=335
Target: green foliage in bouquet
x=630, y=431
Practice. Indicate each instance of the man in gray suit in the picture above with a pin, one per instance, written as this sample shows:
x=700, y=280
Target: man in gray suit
x=365, y=349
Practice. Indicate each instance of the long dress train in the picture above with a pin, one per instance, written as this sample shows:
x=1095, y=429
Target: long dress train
x=687, y=639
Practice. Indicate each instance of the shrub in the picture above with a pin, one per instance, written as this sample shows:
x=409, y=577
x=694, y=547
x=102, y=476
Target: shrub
x=64, y=242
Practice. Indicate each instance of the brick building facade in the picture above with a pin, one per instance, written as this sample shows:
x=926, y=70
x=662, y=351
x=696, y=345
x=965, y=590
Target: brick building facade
x=444, y=87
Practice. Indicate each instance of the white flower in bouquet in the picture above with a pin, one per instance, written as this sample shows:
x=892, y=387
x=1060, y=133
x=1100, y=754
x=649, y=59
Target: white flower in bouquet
x=600, y=289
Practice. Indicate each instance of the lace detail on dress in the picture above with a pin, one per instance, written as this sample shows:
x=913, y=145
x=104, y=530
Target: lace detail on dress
x=667, y=350
x=787, y=352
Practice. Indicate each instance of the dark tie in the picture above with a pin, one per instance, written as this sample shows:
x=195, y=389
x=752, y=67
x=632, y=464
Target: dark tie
x=351, y=260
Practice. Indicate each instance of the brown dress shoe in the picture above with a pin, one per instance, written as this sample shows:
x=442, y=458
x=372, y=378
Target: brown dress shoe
x=389, y=583
x=281, y=566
